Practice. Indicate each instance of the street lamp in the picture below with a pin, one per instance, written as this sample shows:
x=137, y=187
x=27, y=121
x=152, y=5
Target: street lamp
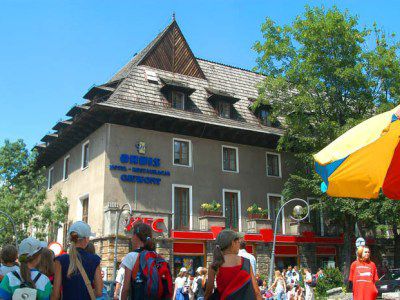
x=120, y=211
x=13, y=225
x=297, y=211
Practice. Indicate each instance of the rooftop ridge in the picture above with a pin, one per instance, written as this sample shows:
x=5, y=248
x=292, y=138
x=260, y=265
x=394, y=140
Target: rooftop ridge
x=229, y=66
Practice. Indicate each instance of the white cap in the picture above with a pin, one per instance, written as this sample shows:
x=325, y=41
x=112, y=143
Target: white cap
x=182, y=270
x=81, y=228
x=198, y=270
x=29, y=246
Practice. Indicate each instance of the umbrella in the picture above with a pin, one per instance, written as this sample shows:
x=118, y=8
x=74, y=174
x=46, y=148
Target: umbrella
x=364, y=160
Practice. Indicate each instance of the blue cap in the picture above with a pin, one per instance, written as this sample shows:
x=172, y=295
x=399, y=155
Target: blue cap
x=82, y=229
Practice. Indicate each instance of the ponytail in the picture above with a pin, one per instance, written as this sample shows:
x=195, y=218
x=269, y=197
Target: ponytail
x=73, y=254
x=218, y=258
x=145, y=234
x=24, y=269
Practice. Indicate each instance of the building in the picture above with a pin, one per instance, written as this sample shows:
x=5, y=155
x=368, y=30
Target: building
x=167, y=133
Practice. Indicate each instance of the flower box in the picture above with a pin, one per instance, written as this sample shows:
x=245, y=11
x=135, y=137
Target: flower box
x=297, y=228
x=211, y=213
x=256, y=216
x=208, y=221
x=254, y=225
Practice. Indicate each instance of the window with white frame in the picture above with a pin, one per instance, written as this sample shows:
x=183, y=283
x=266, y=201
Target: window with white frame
x=50, y=178
x=85, y=209
x=178, y=100
x=230, y=159
x=182, y=202
x=182, y=152
x=85, y=155
x=66, y=167
x=274, y=165
x=275, y=202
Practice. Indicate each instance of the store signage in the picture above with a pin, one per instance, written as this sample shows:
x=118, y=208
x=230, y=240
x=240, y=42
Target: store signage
x=144, y=168
x=155, y=224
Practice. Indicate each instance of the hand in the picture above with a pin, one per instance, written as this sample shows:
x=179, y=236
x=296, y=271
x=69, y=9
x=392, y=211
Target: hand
x=116, y=297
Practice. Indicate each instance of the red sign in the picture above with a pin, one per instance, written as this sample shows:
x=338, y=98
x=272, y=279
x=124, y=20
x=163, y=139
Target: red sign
x=153, y=223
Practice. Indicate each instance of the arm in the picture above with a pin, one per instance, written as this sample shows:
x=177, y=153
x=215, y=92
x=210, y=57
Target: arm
x=55, y=295
x=116, y=292
x=255, y=285
x=175, y=288
x=210, y=283
x=98, y=282
x=127, y=284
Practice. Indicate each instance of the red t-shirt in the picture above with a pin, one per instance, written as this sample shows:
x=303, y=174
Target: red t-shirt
x=363, y=275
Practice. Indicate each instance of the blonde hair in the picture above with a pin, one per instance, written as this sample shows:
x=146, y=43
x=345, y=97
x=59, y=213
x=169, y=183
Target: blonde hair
x=278, y=274
x=73, y=254
x=360, y=251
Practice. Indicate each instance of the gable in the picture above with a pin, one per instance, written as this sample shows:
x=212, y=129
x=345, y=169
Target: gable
x=172, y=53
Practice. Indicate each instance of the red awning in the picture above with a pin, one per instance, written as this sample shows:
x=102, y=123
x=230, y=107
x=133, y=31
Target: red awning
x=189, y=248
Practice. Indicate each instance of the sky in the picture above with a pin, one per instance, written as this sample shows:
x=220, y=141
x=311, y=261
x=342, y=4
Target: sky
x=52, y=52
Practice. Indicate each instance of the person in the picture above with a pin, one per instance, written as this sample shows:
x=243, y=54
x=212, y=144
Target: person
x=279, y=286
x=29, y=254
x=46, y=264
x=290, y=294
x=199, y=286
x=363, y=275
x=233, y=274
x=142, y=240
x=320, y=274
x=298, y=293
x=244, y=253
x=67, y=268
x=307, y=284
x=90, y=248
x=259, y=280
x=289, y=276
x=295, y=276
x=119, y=281
x=9, y=255
x=181, y=292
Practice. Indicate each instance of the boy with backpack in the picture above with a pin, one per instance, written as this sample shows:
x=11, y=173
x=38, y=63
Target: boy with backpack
x=147, y=274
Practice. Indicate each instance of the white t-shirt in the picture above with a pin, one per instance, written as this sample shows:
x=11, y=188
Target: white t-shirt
x=307, y=285
x=5, y=269
x=130, y=260
x=244, y=253
x=180, y=282
x=120, y=279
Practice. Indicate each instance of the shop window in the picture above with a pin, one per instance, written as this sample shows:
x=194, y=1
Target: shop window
x=182, y=152
x=178, y=100
x=191, y=263
x=224, y=109
x=50, y=178
x=274, y=204
x=230, y=159
x=231, y=203
x=85, y=155
x=181, y=207
x=66, y=167
x=274, y=165
x=85, y=209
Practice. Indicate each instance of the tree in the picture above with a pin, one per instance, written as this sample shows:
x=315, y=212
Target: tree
x=23, y=193
x=321, y=80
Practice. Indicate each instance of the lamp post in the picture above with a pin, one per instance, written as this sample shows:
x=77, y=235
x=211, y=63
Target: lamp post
x=297, y=210
x=10, y=219
x=120, y=211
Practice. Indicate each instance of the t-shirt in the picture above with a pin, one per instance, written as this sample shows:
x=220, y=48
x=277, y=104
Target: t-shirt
x=307, y=285
x=10, y=283
x=120, y=279
x=180, y=282
x=130, y=260
x=244, y=253
x=200, y=288
x=5, y=269
x=74, y=287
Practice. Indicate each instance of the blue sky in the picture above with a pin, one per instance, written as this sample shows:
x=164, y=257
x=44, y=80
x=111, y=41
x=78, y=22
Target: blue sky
x=52, y=52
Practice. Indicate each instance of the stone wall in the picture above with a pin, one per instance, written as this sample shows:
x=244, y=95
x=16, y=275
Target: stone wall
x=263, y=257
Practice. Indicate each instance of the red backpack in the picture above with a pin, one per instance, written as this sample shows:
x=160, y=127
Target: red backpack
x=153, y=279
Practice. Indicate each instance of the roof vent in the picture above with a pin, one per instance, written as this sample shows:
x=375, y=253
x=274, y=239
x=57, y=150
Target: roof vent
x=151, y=76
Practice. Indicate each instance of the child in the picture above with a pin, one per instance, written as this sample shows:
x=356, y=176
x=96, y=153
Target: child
x=9, y=256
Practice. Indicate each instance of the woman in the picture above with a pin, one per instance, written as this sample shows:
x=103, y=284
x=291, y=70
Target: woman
x=181, y=290
x=363, y=275
x=46, y=264
x=201, y=282
x=234, y=275
x=68, y=274
x=279, y=286
x=141, y=240
x=29, y=257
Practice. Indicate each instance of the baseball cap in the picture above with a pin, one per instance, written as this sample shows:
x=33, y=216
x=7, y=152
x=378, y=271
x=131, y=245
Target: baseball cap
x=183, y=270
x=82, y=229
x=29, y=247
x=198, y=270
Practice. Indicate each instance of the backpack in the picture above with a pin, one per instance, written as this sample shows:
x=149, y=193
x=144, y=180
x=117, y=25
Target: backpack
x=25, y=290
x=313, y=282
x=153, y=279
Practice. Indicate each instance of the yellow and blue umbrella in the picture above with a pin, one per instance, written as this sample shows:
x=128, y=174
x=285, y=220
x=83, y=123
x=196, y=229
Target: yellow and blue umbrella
x=364, y=160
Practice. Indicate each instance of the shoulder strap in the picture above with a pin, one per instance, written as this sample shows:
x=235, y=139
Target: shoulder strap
x=246, y=265
x=15, y=273
x=86, y=279
x=37, y=277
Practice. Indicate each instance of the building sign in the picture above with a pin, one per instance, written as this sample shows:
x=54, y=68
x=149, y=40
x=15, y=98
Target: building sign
x=155, y=224
x=140, y=169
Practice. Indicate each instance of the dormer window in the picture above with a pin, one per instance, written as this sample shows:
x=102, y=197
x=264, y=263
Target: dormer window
x=224, y=109
x=178, y=100
x=223, y=103
x=264, y=116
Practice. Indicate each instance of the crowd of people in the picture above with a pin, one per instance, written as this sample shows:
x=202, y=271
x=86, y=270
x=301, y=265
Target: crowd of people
x=33, y=272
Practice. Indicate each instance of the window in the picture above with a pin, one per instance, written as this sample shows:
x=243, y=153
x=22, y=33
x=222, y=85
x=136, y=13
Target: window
x=274, y=204
x=50, y=179
x=66, y=167
x=178, y=100
x=230, y=159
x=274, y=165
x=232, y=209
x=224, y=109
x=182, y=207
x=85, y=209
x=85, y=155
x=182, y=152
x=264, y=117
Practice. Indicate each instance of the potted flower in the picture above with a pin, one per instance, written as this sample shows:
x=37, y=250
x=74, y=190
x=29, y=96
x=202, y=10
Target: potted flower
x=211, y=209
x=256, y=212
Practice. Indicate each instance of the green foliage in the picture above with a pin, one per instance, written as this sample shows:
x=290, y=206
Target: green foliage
x=23, y=193
x=333, y=278
x=214, y=206
x=255, y=209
